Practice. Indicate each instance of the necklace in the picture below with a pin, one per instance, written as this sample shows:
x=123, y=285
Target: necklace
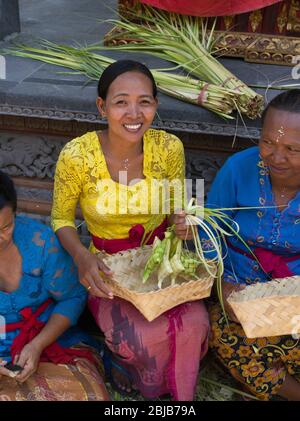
x=282, y=193
x=125, y=164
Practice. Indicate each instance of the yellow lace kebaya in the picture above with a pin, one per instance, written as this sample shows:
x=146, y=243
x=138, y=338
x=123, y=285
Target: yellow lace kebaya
x=109, y=208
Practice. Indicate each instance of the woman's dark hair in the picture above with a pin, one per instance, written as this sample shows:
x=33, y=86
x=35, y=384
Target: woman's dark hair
x=118, y=68
x=8, y=195
x=286, y=101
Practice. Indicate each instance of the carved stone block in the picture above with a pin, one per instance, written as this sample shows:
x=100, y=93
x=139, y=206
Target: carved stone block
x=203, y=165
x=28, y=155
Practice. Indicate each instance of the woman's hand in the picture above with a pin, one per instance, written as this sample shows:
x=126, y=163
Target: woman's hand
x=28, y=359
x=227, y=289
x=89, y=265
x=4, y=371
x=182, y=230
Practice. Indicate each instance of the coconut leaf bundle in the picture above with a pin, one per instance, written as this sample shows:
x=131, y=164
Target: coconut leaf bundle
x=83, y=60
x=185, y=41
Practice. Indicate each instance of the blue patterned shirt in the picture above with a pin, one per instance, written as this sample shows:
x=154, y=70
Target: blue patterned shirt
x=244, y=181
x=47, y=271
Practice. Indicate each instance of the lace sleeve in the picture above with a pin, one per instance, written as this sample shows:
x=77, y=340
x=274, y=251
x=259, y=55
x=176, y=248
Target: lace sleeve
x=67, y=185
x=175, y=158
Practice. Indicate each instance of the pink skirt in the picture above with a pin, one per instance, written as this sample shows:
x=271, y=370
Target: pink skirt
x=162, y=356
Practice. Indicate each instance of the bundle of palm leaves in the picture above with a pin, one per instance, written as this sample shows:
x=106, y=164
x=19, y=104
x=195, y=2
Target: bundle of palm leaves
x=185, y=41
x=83, y=60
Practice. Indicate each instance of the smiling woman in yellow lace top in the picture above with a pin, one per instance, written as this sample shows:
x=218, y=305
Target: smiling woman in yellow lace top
x=111, y=208
x=119, y=177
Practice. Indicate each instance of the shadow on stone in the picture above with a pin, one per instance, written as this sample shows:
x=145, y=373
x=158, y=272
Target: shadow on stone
x=9, y=17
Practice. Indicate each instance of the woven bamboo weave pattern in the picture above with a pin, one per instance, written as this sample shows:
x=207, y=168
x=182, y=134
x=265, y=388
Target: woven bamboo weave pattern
x=147, y=298
x=269, y=309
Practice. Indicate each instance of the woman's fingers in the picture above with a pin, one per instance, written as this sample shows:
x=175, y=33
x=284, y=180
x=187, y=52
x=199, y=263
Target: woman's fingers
x=182, y=229
x=27, y=371
x=89, y=267
x=21, y=359
x=105, y=269
x=5, y=372
x=98, y=286
x=99, y=290
x=184, y=232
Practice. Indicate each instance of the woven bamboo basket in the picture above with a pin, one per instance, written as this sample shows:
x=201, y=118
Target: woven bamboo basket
x=128, y=267
x=269, y=309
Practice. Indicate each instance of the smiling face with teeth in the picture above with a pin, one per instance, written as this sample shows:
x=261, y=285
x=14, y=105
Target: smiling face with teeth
x=129, y=107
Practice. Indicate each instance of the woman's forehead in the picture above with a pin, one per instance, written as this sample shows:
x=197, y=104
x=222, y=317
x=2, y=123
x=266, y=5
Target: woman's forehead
x=6, y=215
x=276, y=118
x=129, y=79
x=282, y=127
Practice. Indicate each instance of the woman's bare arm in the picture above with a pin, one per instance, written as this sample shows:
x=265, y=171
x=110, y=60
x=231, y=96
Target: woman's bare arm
x=88, y=264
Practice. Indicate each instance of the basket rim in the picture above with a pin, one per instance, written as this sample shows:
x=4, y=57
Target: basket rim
x=244, y=295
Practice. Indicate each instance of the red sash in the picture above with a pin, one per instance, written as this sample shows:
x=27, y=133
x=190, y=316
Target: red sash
x=136, y=234
x=30, y=327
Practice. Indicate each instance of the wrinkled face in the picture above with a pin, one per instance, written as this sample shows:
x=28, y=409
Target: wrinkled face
x=129, y=106
x=7, y=223
x=280, y=146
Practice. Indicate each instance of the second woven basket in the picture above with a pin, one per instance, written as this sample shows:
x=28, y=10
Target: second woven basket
x=269, y=309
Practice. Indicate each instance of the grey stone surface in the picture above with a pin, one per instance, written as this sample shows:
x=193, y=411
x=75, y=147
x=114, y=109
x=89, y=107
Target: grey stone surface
x=32, y=85
x=9, y=17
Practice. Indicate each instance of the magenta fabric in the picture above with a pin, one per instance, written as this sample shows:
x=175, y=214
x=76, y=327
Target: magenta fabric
x=209, y=7
x=163, y=356
x=272, y=263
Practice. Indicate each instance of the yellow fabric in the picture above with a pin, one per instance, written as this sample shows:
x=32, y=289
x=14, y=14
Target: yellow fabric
x=82, y=175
